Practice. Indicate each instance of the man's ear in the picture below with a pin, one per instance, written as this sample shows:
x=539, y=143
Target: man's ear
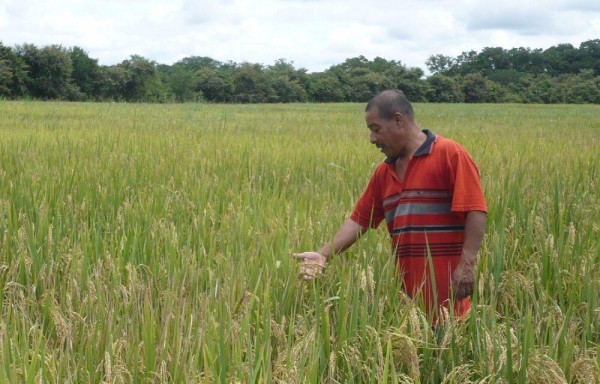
x=398, y=117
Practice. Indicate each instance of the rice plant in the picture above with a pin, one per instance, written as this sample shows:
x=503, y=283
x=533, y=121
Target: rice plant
x=151, y=244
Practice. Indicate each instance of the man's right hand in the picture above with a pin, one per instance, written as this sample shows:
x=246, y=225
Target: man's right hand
x=313, y=264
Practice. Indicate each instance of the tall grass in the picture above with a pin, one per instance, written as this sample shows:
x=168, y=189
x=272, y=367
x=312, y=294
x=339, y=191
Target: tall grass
x=148, y=243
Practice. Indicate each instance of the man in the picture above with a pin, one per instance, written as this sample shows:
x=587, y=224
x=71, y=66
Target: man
x=429, y=193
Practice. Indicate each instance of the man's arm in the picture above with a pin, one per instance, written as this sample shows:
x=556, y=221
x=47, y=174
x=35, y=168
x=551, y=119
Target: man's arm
x=347, y=235
x=313, y=263
x=463, y=276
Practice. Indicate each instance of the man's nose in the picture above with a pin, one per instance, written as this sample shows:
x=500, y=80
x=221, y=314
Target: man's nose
x=373, y=138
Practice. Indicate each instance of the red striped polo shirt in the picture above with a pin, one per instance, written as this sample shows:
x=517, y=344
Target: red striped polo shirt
x=425, y=211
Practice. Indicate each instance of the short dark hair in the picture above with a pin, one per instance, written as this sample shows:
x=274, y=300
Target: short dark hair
x=389, y=102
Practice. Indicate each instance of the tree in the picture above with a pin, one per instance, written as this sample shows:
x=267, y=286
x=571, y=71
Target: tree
x=355, y=62
x=505, y=76
x=365, y=83
x=525, y=60
x=50, y=71
x=142, y=80
x=589, y=53
x=13, y=73
x=583, y=88
x=544, y=89
x=443, y=89
x=215, y=84
x=412, y=85
x=289, y=91
x=252, y=85
x=85, y=72
x=493, y=59
x=195, y=63
x=5, y=78
x=561, y=59
x=439, y=63
x=112, y=82
x=288, y=83
x=474, y=88
x=561, y=73
x=390, y=68
x=465, y=63
x=586, y=92
x=494, y=93
x=325, y=87
x=198, y=78
x=360, y=78
x=181, y=83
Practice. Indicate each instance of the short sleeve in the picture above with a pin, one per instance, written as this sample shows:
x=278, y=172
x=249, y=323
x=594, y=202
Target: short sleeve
x=468, y=193
x=369, y=209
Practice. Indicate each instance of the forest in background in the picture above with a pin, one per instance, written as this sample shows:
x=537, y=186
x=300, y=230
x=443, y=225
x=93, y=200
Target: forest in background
x=560, y=74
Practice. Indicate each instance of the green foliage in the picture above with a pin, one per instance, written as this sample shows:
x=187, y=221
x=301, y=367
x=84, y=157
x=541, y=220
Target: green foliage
x=439, y=63
x=85, y=72
x=443, y=89
x=478, y=89
x=183, y=84
x=415, y=89
x=49, y=72
x=559, y=74
x=215, y=84
x=361, y=78
x=197, y=79
x=557, y=60
x=13, y=73
x=289, y=84
x=325, y=87
x=140, y=80
x=589, y=56
x=111, y=83
x=525, y=60
x=251, y=84
x=584, y=89
x=561, y=59
x=474, y=88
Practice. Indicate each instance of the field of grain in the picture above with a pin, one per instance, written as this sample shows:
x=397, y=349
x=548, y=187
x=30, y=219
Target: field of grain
x=151, y=244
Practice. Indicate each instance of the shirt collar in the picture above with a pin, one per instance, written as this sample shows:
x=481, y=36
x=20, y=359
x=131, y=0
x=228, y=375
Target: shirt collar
x=424, y=149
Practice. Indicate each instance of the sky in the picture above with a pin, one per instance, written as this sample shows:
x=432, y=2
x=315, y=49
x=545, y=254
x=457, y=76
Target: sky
x=311, y=34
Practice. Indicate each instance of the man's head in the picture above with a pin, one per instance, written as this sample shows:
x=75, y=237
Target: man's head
x=390, y=117
x=390, y=102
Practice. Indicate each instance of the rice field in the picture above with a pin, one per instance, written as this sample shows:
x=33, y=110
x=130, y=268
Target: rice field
x=151, y=244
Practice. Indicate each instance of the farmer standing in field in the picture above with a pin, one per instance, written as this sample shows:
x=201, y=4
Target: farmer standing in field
x=429, y=193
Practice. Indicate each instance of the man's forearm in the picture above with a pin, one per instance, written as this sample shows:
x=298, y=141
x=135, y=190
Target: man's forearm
x=347, y=235
x=474, y=232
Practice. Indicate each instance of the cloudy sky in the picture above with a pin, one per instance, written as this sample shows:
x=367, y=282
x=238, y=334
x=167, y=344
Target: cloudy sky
x=313, y=34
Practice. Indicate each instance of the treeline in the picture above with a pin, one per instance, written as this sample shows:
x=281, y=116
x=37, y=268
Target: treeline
x=560, y=74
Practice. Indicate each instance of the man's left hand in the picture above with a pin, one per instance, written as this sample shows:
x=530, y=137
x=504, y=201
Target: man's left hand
x=463, y=280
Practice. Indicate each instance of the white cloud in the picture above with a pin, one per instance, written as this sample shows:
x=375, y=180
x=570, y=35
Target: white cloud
x=314, y=34
x=579, y=5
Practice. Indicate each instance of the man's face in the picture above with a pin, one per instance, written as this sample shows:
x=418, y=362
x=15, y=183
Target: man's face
x=385, y=133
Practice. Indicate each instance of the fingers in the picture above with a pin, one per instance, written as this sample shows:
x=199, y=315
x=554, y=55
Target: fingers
x=312, y=264
x=463, y=290
x=310, y=258
x=309, y=271
x=302, y=256
x=307, y=255
x=463, y=282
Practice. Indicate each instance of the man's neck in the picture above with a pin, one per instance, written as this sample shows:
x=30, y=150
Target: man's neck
x=415, y=142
